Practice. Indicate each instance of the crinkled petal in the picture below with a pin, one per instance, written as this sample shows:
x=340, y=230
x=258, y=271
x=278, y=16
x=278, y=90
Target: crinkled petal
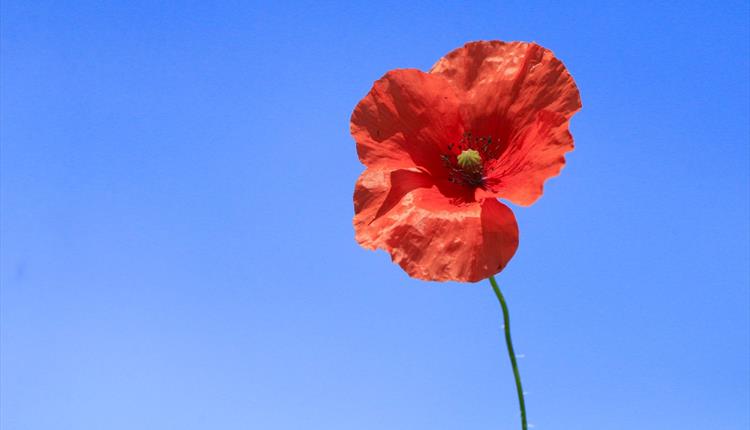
x=512, y=80
x=533, y=156
x=429, y=235
x=523, y=97
x=404, y=119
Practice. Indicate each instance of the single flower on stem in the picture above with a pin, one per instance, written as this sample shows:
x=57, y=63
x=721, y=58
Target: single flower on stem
x=489, y=121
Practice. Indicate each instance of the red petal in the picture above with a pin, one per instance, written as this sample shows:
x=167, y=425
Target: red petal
x=522, y=96
x=532, y=157
x=429, y=235
x=406, y=120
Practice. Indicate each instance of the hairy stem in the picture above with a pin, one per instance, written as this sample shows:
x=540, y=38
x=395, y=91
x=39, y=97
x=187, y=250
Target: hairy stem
x=511, y=353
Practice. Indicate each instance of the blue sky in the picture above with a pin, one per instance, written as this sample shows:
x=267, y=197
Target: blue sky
x=176, y=240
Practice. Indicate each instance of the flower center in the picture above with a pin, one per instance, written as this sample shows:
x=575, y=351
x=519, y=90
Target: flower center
x=469, y=160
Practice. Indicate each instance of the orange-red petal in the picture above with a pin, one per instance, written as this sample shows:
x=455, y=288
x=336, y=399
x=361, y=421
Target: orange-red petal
x=523, y=97
x=404, y=119
x=533, y=156
x=427, y=234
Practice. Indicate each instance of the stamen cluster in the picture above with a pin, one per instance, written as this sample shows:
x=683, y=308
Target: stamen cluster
x=460, y=161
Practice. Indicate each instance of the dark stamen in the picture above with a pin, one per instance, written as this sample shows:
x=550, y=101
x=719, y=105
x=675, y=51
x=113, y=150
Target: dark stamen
x=473, y=177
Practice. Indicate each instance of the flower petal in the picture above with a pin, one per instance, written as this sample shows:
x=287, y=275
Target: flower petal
x=404, y=119
x=511, y=80
x=533, y=156
x=523, y=97
x=429, y=235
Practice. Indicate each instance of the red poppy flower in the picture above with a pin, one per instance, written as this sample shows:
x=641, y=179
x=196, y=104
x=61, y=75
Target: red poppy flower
x=488, y=121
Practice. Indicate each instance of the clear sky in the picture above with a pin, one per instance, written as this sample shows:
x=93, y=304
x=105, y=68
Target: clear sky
x=177, y=248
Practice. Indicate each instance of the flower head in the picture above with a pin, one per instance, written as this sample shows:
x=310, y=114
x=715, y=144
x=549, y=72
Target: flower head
x=488, y=121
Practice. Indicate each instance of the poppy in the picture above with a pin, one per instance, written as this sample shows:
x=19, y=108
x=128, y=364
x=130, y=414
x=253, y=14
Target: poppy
x=489, y=121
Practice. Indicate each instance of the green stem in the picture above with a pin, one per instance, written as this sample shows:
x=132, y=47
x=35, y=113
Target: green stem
x=511, y=353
